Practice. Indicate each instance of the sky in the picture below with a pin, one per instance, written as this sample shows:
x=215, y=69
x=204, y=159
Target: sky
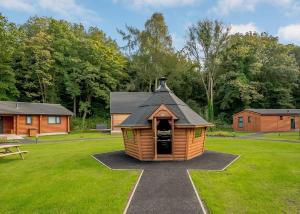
x=279, y=18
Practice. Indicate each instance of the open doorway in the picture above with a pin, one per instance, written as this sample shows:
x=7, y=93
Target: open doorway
x=164, y=136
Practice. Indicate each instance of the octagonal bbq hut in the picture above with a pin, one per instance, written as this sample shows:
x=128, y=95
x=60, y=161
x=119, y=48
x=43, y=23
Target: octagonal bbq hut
x=164, y=128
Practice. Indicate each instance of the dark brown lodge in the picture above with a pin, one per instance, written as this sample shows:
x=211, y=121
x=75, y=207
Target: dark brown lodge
x=164, y=128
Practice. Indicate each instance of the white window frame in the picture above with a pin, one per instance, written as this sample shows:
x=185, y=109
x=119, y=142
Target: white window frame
x=27, y=117
x=56, y=120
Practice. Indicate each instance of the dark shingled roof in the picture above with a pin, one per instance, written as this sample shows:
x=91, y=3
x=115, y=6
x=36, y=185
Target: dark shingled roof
x=275, y=111
x=10, y=107
x=163, y=95
x=127, y=102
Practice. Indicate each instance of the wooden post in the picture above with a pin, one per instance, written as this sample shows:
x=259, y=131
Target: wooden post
x=172, y=143
x=17, y=121
x=155, y=138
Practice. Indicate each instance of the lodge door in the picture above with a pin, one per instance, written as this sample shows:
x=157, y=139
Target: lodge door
x=293, y=123
x=164, y=137
x=1, y=125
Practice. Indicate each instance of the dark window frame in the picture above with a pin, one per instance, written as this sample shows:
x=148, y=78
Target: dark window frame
x=240, y=122
x=198, y=133
x=26, y=119
x=130, y=137
x=249, y=119
x=57, y=120
x=281, y=117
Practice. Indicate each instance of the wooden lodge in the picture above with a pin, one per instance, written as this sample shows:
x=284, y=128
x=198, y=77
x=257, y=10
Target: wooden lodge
x=163, y=127
x=23, y=118
x=267, y=120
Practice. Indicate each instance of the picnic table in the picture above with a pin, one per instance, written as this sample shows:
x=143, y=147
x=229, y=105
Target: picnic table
x=11, y=149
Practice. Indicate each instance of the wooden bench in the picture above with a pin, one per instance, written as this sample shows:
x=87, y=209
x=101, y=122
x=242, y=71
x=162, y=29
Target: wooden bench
x=6, y=150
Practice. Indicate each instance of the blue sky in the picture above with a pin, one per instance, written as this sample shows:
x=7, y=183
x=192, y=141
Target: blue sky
x=277, y=17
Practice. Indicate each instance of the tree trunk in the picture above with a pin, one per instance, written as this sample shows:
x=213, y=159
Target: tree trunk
x=150, y=85
x=155, y=83
x=74, y=106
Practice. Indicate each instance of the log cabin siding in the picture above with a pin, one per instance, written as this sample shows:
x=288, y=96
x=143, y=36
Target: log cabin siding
x=16, y=124
x=117, y=119
x=131, y=146
x=179, y=144
x=264, y=123
x=147, y=144
x=195, y=145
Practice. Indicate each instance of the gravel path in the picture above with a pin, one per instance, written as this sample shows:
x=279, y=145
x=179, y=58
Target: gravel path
x=165, y=186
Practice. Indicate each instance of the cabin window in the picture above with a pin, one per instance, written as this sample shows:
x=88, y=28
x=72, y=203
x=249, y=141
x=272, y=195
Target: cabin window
x=28, y=120
x=198, y=133
x=249, y=119
x=240, y=122
x=129, y=135
x=54, y=119
x=281, y=117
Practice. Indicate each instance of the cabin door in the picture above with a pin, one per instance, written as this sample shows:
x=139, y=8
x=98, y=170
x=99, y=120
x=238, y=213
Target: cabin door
x=293, y=123
x=1, y=125
x=164, y=136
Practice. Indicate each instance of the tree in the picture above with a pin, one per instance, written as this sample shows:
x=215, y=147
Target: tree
x=9, y=35
x=205, y=41
x=255, y=71
x=148, y=50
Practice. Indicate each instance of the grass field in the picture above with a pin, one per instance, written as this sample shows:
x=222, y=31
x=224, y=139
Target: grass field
x=62, y=177
x=227, y=133
x=77, y=135
x=282, y=135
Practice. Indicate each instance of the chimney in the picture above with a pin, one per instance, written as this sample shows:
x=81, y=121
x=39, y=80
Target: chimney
x=162, y=84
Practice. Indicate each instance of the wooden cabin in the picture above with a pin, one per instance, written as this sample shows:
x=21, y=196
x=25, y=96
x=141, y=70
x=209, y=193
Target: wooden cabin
x=123, y=104
x=22, y=118
x=267, y=120
x=164, y=128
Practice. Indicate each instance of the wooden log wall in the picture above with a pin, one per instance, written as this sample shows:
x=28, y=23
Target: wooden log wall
x=195, y=146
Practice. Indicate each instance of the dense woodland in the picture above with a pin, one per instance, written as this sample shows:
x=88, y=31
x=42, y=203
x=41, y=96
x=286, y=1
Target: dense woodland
x=216, y=73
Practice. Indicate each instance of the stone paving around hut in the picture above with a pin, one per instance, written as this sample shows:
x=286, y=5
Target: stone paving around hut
x=165, y=186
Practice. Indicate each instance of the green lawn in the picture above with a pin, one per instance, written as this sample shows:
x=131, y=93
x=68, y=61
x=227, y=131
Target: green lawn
x=62, y=177
x=227, y=133
x=77, y=135
x=282, y=135
x=265, y=179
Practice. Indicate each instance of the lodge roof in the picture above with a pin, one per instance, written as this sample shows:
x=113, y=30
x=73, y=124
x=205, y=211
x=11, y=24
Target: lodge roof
x=126, y=102
x=15, y=108
x=275, y=111
x=163, y=95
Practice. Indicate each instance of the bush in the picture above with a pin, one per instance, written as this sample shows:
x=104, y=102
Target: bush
x=90, y=123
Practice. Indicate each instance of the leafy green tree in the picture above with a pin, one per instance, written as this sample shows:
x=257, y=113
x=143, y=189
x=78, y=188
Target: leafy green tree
x=206, y=39
x=9, y=36
x=148, y=50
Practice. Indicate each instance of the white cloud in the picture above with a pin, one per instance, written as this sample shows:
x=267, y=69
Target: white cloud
x=290, y=33
x=19, y=5
x=224, y=7
x=68, y=9
x=157, y=3
x=178, y=42
x=243, y=28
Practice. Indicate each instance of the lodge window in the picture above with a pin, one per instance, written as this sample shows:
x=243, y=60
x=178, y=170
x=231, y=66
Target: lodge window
x=28, y=120
x=249, y=119
x=53, y=119
x=281, y=117
x=129, y=135
x=240, y=122
x=198, y=133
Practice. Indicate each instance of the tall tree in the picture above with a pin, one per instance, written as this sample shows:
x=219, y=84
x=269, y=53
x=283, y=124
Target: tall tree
x=9, y=36
x=148, y=49
x=205, y=41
